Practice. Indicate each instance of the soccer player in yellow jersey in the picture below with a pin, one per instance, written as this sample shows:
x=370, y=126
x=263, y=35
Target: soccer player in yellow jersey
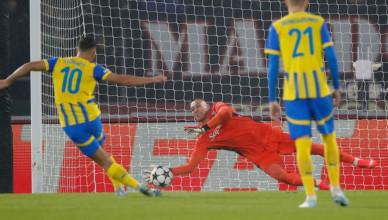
x=74, y=81
x=300, y=39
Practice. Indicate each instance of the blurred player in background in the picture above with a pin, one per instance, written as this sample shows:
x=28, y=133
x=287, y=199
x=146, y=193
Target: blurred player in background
x=74, y=81
x=300, y=38
x=221, y=128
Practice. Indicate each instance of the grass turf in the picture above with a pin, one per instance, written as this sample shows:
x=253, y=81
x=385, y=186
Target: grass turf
x=192, y=205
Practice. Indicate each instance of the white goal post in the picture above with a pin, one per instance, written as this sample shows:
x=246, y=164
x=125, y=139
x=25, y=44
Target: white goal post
x=207, y=49
x=36, y=100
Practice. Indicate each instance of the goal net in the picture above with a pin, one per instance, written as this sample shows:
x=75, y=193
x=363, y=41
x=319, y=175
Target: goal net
x=212, y=50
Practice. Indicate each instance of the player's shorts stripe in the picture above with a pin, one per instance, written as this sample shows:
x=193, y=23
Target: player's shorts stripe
x=317, y=83
x=327, y=44
x=90, y=101
x=74, y=115
x=101, y=136
x=84, y=111
x=296, y=86
x=86, y=143
x=305, y=85
x=64, y=115
x=269, y=51
x=298, y=122
x=324, y=120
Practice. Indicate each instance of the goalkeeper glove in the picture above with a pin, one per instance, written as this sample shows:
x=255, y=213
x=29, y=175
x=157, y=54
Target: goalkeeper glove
x=147, y=173
x=197, y=129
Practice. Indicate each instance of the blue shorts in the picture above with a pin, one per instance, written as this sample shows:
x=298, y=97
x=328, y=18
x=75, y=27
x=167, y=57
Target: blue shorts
x=301, y=112
x=87, y=136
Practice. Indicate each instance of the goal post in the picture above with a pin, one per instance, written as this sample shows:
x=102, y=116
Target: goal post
x=207, y=49
x=36, y=100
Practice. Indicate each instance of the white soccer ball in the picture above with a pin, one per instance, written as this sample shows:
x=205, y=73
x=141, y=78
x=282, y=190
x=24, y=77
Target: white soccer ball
x=161, y=177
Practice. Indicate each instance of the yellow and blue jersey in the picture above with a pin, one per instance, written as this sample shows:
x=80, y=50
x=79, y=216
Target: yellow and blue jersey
x=300, y=39
x=74, y=81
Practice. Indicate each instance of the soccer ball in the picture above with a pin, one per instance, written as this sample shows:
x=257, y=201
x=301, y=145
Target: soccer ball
x=161, y=177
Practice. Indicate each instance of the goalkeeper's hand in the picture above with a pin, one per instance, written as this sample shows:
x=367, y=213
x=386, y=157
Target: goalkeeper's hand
x=196, y=129
x=147, y=173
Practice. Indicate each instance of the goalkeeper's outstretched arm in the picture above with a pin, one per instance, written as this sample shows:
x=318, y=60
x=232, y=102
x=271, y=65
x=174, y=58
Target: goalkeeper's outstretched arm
x=189, y=167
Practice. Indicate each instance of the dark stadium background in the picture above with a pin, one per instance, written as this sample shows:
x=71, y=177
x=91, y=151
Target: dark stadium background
x=214, y=11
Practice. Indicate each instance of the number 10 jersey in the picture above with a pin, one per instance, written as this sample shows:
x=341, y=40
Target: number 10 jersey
x=74, y=81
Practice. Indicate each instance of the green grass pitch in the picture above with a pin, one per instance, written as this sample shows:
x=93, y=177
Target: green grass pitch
x=192, y=205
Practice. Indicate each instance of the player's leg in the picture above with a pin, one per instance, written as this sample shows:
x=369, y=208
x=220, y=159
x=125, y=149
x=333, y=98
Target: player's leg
x=116, y=173
x=119, y=187
x=82, y=136
x=322, y=110
x=298, y=117
x=97, y=130
x=113, y=170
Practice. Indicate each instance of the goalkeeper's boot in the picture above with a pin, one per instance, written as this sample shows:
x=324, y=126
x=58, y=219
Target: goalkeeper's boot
x=146, y=190
x=370, y=164
x=339, y=197
x=120, y=191
x=323, y=185
x=310, y=202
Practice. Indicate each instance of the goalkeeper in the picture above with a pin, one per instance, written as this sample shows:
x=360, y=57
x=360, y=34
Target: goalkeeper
x=74, y=81
x=221, y=128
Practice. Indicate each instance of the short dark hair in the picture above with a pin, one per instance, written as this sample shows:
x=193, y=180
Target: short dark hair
x=86, y=43
x=297, y=3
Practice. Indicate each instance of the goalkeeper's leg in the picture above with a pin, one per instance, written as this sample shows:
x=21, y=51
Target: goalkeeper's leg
x=318, y=149
x=278, y=172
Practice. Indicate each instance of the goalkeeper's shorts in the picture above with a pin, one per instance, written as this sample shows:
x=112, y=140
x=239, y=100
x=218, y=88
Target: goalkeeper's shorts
x=88, y=136
x=301, y=112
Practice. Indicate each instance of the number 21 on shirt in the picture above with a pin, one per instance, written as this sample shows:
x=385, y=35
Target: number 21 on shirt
x=301, y=36
x=68, y=79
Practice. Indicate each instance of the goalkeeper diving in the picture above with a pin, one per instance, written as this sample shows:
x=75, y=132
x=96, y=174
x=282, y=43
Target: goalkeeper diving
x=222, y=128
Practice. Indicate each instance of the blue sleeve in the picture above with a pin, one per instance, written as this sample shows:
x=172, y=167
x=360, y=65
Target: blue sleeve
x=333, y=65
x=325, y=36
x=272, y=45
x=273, y=70
x=99, y=72
x=51, y=63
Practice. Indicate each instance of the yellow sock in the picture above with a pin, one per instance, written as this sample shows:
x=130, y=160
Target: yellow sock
x=114, y=182
x=332, y=158
x=305, y=166
x=118, y=173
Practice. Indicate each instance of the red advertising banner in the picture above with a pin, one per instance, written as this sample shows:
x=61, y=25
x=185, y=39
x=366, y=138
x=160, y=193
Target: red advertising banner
x=78, y=173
